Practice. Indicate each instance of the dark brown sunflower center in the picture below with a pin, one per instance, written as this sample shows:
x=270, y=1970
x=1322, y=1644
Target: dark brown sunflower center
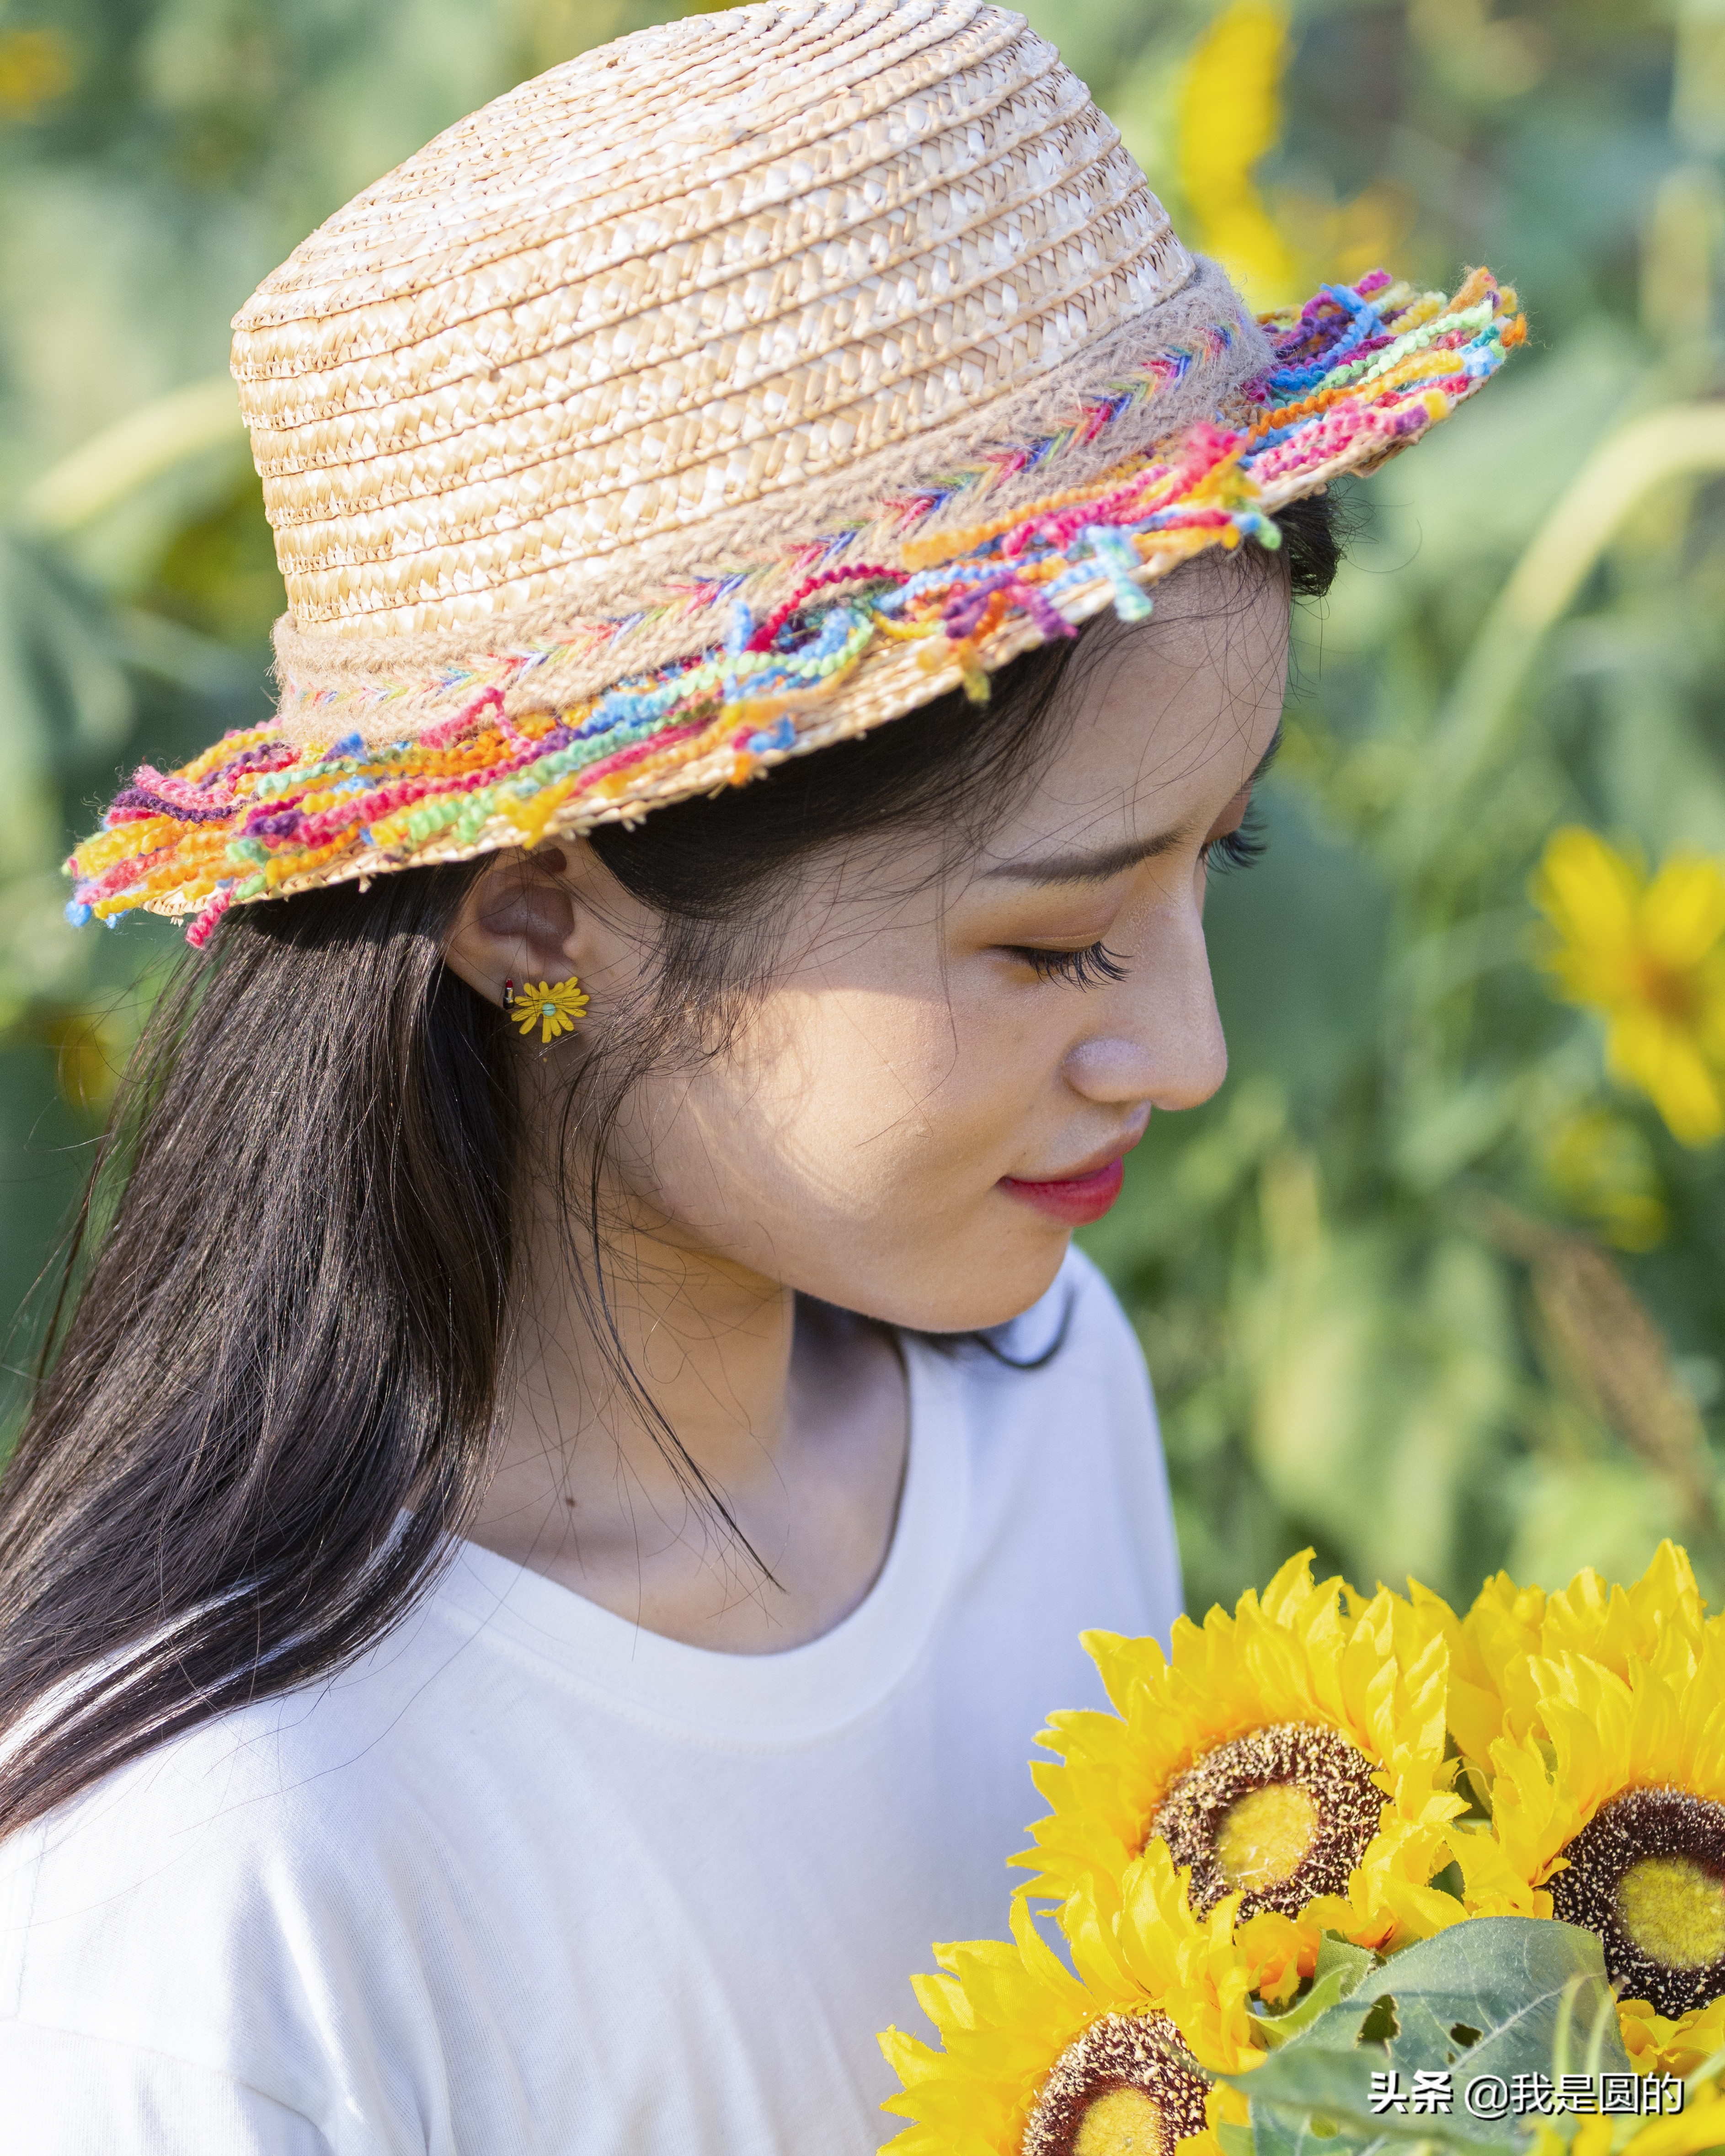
x=1124, y=2088
x=1647, y=1873
x=1280, y=1816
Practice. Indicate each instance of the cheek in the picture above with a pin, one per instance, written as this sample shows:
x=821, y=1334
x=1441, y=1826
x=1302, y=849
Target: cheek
x=887, y=1116
x=850, y=1148
x=869, y=1098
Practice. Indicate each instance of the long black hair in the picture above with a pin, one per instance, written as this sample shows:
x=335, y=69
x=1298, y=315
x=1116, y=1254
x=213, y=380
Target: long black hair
x=266, y=1396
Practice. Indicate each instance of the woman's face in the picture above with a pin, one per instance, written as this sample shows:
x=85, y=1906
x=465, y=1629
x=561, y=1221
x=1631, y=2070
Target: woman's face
x=943, y=1079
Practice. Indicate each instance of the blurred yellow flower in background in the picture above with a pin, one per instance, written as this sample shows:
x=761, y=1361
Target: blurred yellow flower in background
x=36, y=67
x=1600, y=1165
x=1230, y=117
x=1648, y=955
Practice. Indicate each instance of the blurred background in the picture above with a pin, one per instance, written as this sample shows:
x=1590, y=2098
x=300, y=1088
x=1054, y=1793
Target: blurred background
x=1436, y=1282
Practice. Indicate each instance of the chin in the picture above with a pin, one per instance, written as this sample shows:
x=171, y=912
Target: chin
x=963, y=1293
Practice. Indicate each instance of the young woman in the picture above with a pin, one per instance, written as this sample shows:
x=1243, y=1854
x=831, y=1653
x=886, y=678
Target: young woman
x=576, y=1451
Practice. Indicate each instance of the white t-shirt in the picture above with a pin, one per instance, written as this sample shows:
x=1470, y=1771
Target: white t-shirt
x=528, y=1878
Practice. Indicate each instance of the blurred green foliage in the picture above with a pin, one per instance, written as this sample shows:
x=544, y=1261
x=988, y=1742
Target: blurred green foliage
x=1421, y=1285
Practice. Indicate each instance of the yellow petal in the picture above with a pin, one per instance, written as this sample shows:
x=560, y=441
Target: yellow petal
x=1683, y=912
x=1588, y=892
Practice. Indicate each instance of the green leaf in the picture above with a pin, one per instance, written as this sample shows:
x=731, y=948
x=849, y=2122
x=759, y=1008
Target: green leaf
x=1337, y=1953
x=1494, y=1996
x=1323, y=2102
x=1340, y=1969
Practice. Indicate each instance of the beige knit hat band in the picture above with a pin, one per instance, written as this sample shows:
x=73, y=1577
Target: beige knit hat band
x=394, y=539
x=647, y=604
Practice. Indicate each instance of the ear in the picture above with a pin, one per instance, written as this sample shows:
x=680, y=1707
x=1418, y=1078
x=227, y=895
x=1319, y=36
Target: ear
x=521, y=921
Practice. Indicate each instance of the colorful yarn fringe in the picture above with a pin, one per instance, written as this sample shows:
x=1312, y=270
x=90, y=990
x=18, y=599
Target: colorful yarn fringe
x=1358, y=372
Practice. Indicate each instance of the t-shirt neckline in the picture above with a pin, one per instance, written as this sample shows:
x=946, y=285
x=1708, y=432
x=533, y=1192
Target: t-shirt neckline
x=788, y=1698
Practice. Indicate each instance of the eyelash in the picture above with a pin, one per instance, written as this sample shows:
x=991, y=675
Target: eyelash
x=1096, y=963
x=1085, y=969
x=1240, y=848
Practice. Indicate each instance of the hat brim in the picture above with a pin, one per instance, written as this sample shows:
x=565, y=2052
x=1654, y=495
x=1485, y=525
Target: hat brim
x=1359, y=373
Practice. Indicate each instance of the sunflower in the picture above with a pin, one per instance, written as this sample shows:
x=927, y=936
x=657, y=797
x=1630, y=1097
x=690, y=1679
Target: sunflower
x=1494, y=1688
x=1658, y=2044
x=1112, y=2056
x=1609, y=1812
x=1699, y=2127
x=1290, y=1755
x=555, y=1006
x=1651, y=957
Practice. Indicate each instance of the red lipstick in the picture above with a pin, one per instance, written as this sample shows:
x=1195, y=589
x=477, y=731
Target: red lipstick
x=1073, y=1200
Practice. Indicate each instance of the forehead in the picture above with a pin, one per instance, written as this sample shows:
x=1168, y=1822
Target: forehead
x=1162, y=722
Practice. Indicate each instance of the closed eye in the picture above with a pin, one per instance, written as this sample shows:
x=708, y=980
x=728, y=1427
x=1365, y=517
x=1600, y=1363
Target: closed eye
x=1087, y=968
x=1239, y=848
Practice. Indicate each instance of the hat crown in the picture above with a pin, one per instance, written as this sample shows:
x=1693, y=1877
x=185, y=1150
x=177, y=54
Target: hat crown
x=732, y=272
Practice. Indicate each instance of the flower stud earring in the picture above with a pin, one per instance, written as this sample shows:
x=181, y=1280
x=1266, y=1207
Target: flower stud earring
x=553, y=1007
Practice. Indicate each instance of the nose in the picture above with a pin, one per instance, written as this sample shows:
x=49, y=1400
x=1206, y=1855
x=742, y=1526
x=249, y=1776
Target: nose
x=1160, y=1037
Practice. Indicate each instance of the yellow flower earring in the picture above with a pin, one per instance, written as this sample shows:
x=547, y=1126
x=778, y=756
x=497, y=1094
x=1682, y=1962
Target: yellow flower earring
x=554, y=1006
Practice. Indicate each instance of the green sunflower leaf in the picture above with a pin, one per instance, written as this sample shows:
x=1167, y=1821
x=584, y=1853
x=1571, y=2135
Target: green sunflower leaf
x=1322, y=2107
x=1341, y=1969
x=1483, y=2002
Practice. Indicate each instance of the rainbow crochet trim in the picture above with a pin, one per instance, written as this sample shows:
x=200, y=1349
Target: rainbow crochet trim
x=1359, y=371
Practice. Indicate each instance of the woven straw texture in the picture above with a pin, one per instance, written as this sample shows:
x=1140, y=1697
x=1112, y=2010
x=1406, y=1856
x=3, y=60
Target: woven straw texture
x=728, y=391
x=671, y=291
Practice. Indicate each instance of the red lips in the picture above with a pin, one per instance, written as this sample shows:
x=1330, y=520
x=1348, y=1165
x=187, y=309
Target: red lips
x=1075, y=1200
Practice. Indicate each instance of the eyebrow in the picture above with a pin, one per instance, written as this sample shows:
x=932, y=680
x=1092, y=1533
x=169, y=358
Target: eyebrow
x=1108, y=861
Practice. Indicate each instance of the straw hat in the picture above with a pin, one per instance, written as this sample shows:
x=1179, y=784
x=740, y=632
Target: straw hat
x=728, y=390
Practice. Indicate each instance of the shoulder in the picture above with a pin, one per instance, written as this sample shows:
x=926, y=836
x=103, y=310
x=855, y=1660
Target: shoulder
x=1075, y=1334
x=280, y=1790
x=225, y=1901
